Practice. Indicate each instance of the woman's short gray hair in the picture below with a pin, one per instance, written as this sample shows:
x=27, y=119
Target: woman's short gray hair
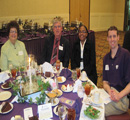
x=57, y=19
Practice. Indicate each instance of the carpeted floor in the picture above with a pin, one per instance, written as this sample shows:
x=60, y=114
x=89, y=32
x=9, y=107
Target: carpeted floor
x=102, y=48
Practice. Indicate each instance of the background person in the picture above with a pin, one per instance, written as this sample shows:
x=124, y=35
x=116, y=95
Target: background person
x=116, y=75
x=83, y=54
x=13, y=51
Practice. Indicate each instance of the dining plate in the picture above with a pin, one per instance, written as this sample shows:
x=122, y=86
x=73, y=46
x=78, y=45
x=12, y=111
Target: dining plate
x=66, y=90
x=85, y=79
x=6, y=111
x=96, y=103
x=55, y=110
x=61, y=79
x=58, y=92
x=5, y=88
x=5, y=95
x=54, y=103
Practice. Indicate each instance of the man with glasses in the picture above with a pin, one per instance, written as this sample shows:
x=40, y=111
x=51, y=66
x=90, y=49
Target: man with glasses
x=116, y=75
x=56, y=47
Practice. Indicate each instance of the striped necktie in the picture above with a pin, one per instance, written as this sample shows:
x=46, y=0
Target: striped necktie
x=55, y=51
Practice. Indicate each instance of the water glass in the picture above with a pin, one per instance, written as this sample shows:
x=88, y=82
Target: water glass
x=62, y=112
x=74, y=75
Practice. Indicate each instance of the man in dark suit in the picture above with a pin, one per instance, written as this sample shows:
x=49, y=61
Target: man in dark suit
x=56, y=46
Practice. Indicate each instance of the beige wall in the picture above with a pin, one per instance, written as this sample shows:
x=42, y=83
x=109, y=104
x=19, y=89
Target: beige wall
x=34, y=9
x=104, y=13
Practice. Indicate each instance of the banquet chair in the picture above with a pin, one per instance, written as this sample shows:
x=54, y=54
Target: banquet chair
x=124, y=116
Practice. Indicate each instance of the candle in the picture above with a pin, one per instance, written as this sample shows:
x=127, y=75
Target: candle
x=30, y=71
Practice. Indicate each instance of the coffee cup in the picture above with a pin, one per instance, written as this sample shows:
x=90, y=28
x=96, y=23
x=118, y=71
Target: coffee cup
x=96, y=97
x=83, y=75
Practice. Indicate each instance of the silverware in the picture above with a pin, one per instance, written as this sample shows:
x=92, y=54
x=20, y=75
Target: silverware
x=98, y=106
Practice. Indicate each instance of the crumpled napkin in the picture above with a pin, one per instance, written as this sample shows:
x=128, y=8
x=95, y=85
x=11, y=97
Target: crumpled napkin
x=47, y=67
x=67, y=73
x=76, y=85
x=3, y=77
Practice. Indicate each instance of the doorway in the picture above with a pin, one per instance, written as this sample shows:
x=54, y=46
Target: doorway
x=127, y=16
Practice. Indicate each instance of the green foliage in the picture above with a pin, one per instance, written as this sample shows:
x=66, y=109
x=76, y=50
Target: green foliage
x=42, y=87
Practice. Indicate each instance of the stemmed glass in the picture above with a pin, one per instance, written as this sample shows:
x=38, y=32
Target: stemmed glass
x=74, y=75
x=58, y=67
x=62, y=111
x=87, y=89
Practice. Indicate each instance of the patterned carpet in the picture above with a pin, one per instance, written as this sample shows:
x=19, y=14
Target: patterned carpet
x=102, y=48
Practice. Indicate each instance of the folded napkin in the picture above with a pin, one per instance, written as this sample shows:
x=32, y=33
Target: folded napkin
x=47, y=67
x=76, y=85
x=67, y=73
x=3, y=77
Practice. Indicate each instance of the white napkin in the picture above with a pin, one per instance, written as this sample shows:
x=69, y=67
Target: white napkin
x=77, y=83
x=47, y=67
x=15, y=99
x=3, y=77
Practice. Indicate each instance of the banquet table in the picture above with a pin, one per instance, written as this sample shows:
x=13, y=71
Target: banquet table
x=18, y=108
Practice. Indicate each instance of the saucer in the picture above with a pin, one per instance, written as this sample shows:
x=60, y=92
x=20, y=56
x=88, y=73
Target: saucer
x=85, y=79
x=96, y=103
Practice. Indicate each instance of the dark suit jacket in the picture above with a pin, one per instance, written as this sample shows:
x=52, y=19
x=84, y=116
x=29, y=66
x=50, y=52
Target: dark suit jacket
x=89, y=58
x=126, y=43
x=48, y=48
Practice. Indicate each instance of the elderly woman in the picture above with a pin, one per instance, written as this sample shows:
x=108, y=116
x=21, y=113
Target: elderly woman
x=83, y=54
x=13, y=51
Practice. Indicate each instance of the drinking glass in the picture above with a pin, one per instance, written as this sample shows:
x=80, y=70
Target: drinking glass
x=78, y=72
x=74, y=75
x=71, y=114
x=13, y=72
x=10, y=67
x=58, y=66
x=87, y=89
x=62, y=112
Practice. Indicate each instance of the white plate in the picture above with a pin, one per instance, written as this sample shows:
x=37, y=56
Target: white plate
x=56, y=112
x=54, y=104
x=86, y=79
x=59, y=91
x=84, y=117
x=5, y=95
x=67, y=90
x=8, y=110
x=63, y=79
x=52, y=75
x=4, y=87
x=96, y=103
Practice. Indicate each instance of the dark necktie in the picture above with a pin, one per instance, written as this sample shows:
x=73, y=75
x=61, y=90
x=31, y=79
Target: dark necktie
x=55, y=51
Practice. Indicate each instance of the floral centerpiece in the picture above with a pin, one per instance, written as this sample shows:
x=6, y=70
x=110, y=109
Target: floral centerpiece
x=22, y=88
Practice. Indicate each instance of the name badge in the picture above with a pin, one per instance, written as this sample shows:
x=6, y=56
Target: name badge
x=20, y=53
x=60, y=47
x=106, y=67
x=117, y=66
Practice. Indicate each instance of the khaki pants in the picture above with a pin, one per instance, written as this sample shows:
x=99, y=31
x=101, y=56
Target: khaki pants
x=116, y=108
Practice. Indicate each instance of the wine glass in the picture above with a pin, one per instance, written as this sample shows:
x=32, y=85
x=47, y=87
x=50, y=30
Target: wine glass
x=74, y=75
x=62, y=111
x=58, y=66
x=13, y=72
x=87, y=89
